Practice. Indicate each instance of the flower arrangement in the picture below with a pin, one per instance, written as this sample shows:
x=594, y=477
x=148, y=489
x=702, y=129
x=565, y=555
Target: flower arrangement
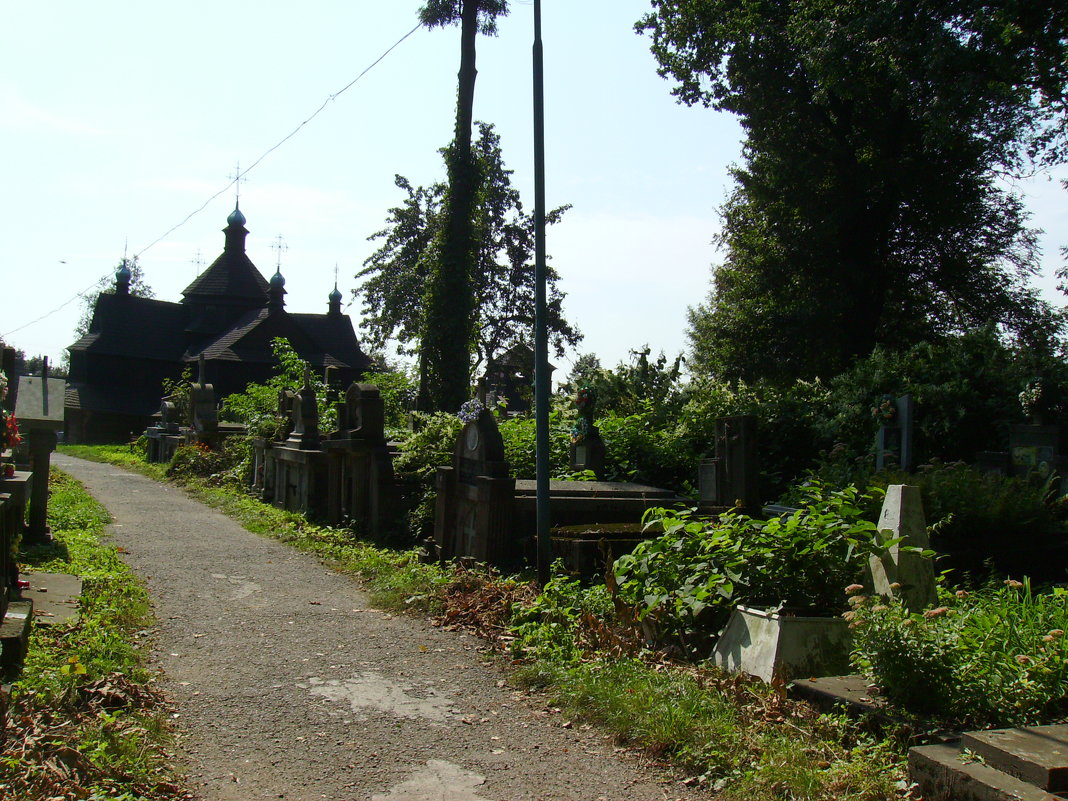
x=471, y=410
x=9, y=430
x=1031, y=397
x=584, y=400
x=885, y=411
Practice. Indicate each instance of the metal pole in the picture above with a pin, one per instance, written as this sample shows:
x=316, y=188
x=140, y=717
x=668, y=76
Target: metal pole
x=541, y=336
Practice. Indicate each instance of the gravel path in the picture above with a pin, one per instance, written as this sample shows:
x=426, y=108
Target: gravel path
x=288, y=686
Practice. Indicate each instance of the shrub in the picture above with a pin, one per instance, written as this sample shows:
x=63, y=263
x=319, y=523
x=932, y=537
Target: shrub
x=997, y=656
x=548, y=628
x=685, y=582
x=196, y=460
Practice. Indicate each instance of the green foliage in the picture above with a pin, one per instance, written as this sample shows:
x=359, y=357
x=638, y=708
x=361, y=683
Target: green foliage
x=736, y=738
x=179, y=392
x=966, y=390
x=868, y=208
x=548, y=628
x=994, y=657
x=685, y=582
x=398, y=389
x=56, y=698
x=257, y=406
x=977, y=516
x=395, y=279
x=520, y=449
x=640, y=386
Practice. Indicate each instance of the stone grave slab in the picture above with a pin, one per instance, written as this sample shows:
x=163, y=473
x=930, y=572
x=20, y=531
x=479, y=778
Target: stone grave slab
x=942, y=775
x=55, y=597
x=1037, y=755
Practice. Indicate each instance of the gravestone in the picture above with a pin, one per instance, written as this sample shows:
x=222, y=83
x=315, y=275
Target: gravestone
x=475, y=497
x=893, y=441
x=39, y=410
x=587, y=447
x=900, y=571
x=299, y=463
x=361, y=487
x=1033, y=448
x=731, y=479
x=205, y=415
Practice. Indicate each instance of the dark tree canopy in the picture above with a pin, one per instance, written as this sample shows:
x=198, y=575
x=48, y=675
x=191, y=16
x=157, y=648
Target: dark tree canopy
x=503, y=277
x=867, y=209
x=439, y=13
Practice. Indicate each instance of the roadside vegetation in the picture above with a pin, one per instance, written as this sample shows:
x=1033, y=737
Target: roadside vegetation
x=84, y=720
x=736, y=737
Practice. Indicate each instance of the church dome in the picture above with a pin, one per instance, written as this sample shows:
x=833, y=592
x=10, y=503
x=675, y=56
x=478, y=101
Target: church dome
x=335, y=296
x=277, y=281
x=236, y=217
x=123, y=274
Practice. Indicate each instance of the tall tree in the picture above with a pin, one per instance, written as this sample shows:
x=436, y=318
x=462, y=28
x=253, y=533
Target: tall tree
x=867, y=208
x=502, y=282
x=445, y=376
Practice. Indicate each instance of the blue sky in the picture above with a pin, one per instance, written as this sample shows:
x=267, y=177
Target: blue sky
x=120, y=119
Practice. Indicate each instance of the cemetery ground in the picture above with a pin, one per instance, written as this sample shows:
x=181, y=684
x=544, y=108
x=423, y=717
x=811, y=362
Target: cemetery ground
x=566, y=719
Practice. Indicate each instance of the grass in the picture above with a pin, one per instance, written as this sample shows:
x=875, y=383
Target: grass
x=84, y=720
x=738, y=738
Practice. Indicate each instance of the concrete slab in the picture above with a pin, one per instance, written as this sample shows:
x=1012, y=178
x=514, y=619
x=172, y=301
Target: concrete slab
x=827, y=692
x=941, y=774
x=55, y=596
x=1037, y=754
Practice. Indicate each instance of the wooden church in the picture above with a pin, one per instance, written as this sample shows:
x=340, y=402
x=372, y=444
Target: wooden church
x=228, y=315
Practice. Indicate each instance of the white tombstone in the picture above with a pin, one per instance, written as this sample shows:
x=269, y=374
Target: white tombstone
x=902, y=516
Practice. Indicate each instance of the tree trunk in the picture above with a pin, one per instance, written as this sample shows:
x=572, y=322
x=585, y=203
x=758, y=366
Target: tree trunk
x=450, y=305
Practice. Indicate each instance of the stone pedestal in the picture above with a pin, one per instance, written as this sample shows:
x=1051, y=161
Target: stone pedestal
x=773, y=646
x=475, y=498
x=902, y=516
x=42, y=442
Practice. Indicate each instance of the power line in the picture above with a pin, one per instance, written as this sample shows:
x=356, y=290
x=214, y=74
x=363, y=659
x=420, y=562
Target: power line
x=240, y=174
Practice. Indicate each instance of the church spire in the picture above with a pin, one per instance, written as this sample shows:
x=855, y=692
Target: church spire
x=335, y=297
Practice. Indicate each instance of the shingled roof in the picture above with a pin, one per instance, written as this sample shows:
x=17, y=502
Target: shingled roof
x=232, y=278
x=142, y=328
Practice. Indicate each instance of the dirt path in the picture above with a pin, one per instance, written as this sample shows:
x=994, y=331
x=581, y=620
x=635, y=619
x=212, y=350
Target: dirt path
x=289, y=687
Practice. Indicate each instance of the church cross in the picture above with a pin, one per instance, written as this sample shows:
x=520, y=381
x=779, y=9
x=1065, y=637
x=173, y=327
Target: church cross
x=235, y=179
x=279, y=247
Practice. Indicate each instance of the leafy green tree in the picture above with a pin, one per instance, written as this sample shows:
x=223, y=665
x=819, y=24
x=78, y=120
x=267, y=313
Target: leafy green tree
x=450, y=304
x=257, y=406
x=502, y=282
x=867, y=209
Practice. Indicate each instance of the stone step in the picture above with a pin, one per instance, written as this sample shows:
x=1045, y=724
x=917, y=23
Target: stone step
x=1037, y=755
x=941, y=774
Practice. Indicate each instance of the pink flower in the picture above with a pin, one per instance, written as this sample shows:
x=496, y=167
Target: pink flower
x=932, y=613
x=1013, y=584
x=1023, y=659
x=962, y=593
x=1056, y=633
x=853, y=589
